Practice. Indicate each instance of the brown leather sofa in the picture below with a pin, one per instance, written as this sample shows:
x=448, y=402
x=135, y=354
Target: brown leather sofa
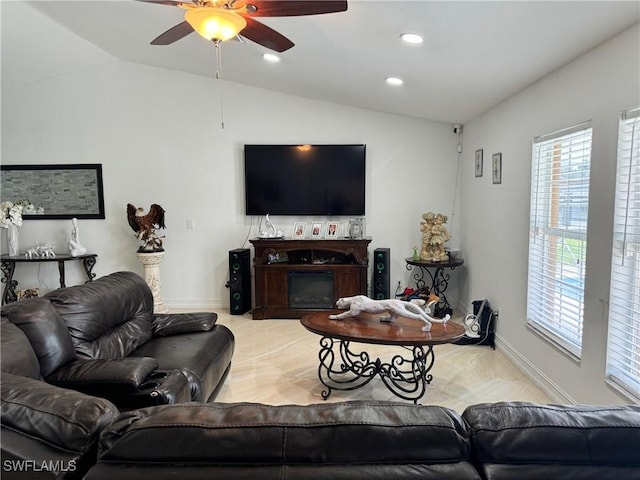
x=364, y=440
x=103, y=338
x=51, y=432
x=372, y=441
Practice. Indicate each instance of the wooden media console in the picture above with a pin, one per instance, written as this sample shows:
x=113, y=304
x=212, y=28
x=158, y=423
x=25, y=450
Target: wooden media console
x=294, y=277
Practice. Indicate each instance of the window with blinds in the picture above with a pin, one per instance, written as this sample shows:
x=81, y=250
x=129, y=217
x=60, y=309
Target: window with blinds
x=558, y=235
x=623, y=352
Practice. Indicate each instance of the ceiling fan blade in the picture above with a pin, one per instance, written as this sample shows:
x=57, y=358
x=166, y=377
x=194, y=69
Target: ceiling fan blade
x=173, y=34
x=294, y=8
x=164, y=2
x=266, y=36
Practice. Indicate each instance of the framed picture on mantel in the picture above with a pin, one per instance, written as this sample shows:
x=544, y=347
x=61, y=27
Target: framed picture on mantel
x=298, y=229
x=332, y=229
x=356, y=228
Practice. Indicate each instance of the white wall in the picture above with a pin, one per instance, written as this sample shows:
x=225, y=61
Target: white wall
x=494, y=218
x=158, y=135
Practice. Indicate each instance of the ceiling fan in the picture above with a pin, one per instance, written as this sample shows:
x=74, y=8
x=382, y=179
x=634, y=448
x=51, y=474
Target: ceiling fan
x=219, y=20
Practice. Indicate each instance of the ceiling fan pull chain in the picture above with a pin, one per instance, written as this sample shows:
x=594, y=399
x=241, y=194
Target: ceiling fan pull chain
x=219, y=77
x=218, y=59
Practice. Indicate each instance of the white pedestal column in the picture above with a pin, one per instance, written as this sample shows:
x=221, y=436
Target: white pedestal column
x=151, y=263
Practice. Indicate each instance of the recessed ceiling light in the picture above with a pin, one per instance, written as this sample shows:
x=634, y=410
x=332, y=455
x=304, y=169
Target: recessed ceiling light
x=394, y=81
x=270, y=57
x=412, y=38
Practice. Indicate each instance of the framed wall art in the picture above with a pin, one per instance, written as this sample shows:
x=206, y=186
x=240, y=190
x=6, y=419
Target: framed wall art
x=496, y=168
x=479, y=163
x=60, y=191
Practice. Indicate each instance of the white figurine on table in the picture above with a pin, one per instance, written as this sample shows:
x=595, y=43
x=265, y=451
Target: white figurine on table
x=75, y=247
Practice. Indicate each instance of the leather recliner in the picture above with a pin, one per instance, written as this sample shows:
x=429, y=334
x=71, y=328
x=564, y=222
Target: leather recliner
x=103, y=338
x=46, y=431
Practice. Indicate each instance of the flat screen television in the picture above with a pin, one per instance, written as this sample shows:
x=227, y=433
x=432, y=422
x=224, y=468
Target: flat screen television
x=304, y=179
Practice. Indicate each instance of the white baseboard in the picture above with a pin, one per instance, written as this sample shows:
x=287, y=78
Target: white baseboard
x=203, y=305
x=534, y=374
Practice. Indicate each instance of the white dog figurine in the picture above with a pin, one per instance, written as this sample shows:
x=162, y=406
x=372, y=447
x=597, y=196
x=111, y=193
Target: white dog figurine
x=395, y=309
x=41, y=251
x=46, y=250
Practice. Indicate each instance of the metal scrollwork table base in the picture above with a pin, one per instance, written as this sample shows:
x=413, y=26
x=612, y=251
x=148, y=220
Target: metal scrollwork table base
x=342, y=368
x=8, y=266
x=439, y=279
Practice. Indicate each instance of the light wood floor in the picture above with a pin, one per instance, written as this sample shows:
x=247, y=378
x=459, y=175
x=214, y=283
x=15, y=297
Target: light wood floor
x=276, y=362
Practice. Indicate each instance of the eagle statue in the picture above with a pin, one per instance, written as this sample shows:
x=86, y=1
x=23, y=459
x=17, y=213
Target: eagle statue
x=145, y=224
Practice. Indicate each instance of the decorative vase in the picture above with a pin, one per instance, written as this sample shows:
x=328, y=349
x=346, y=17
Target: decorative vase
x=13, y=240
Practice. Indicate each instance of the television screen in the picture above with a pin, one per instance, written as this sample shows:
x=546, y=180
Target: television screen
x=304, y=179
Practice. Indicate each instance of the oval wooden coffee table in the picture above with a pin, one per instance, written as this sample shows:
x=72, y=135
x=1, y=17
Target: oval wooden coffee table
x=345, y=369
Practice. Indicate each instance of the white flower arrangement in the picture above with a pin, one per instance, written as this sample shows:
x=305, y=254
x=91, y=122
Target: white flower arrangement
x=11, y=213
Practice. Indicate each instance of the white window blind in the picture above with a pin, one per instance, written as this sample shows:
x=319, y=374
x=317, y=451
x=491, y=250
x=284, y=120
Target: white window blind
x=558, y=235
x=623, y=353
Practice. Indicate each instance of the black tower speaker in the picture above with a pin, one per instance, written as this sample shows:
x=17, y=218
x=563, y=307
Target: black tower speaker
x=239, y=281
x=381, y=275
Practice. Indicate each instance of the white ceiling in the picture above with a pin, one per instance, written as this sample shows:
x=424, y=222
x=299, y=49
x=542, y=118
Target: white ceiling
x=475, y=54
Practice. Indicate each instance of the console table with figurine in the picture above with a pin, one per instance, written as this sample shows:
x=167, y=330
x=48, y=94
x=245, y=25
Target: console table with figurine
x=439, y=279
x=8, y=267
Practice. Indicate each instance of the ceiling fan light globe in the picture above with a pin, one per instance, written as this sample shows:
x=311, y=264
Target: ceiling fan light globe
x=215, y=23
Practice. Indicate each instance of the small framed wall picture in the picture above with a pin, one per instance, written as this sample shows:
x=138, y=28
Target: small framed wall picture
x=332, y=229
x=496, y=168
x=479, y=163
x=299, y=229
x=316, y=230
